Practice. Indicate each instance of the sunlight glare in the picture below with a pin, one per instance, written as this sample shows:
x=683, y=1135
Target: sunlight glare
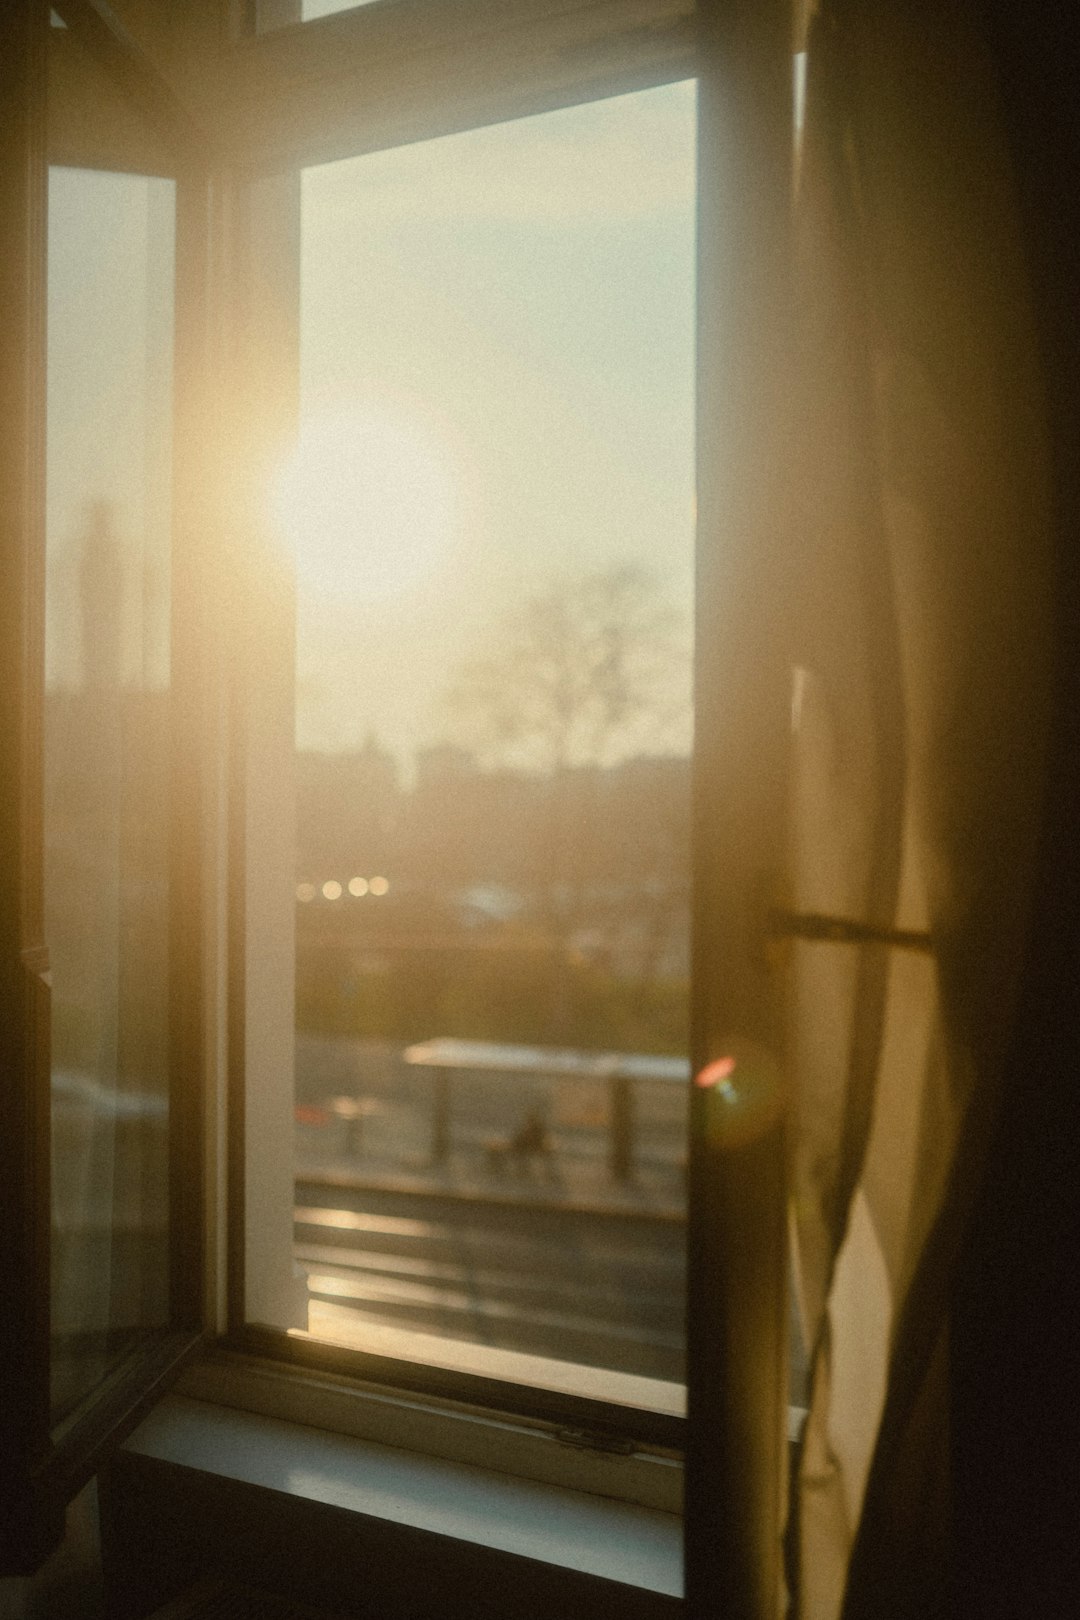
x=365, y=505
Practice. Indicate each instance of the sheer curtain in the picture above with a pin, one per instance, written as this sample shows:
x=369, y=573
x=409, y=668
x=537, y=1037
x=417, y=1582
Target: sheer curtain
x=920, y=704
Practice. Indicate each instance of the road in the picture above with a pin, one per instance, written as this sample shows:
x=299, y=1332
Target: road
x=602, y=1290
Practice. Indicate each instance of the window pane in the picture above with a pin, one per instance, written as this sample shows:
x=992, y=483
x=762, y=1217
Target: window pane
x=490, y=513
x=110, y=303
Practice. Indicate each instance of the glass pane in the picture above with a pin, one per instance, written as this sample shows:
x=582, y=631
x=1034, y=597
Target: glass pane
x=110, y=344
x=489, y=516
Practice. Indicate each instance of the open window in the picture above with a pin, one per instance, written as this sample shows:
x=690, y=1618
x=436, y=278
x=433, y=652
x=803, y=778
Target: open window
x=466, y=827
x=425, y=1011
x=416, y=1037
x=161, y=924
x=104, y=1232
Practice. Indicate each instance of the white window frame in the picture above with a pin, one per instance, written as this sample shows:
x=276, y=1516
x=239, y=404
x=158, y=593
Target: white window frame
x=743, y=229
x=261, y=829
x=374, y=78
x=406, y=70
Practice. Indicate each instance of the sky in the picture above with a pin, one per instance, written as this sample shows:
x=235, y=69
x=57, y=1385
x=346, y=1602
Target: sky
x=497, y=360
x=503, y=322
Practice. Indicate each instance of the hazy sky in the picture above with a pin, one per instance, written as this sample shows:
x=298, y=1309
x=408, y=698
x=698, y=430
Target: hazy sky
x=501, y=321
x=507, y=316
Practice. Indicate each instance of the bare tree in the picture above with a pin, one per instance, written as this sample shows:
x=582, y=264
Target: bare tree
x=586, y=671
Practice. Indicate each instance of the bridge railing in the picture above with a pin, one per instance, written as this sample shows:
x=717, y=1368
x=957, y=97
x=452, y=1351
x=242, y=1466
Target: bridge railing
x=601, y=1088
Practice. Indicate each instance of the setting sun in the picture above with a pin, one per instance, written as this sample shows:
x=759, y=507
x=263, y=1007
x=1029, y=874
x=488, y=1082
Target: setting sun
x=364, y=503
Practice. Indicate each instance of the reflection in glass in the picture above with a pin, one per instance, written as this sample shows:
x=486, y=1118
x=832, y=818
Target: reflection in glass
x=110, y=314
x=489, y=511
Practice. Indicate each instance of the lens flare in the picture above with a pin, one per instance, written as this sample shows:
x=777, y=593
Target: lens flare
x=714, y=1074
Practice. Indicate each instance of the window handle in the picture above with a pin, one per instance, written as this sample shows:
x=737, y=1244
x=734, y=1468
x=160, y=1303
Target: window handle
x=814, y=925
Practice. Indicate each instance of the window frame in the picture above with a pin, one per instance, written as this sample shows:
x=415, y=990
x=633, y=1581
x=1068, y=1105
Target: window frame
x=741, y=59
x=743, y=69
x=46, y=1461
x=601, y=1423
x=399, y=71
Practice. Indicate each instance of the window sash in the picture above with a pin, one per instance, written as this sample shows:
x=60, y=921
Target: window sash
x=264, y=232
x=537, y=66
x=408, y=70
x=44, y=1466
x=266, y=103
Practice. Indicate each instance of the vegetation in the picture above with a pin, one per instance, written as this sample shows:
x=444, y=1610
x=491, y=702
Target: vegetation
x=538, y=866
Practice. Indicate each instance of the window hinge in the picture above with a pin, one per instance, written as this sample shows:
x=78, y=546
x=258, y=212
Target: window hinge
x=841, y=931
x=596, y=1440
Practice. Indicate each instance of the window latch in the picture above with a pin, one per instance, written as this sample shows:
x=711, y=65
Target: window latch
x=814, y=925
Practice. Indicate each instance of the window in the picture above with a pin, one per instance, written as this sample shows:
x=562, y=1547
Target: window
x=101, y=1077
x=268, y=112
x=418, y=1005
x=489, y=515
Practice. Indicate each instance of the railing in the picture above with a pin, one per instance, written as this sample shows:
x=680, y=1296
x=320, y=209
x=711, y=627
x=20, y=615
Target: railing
x=618, y=1071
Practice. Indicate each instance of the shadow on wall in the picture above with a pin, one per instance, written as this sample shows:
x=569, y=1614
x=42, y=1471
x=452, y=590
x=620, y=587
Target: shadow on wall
x=69, y=1586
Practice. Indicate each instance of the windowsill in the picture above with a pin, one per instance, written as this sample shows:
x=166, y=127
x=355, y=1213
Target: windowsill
x=634, y=1547
x=450, y=1431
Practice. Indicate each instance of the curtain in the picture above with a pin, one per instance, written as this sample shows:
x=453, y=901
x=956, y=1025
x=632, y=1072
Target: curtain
x=919, y=716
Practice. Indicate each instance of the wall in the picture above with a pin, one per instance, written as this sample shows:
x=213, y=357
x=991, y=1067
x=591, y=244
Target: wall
x=69, y=1585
